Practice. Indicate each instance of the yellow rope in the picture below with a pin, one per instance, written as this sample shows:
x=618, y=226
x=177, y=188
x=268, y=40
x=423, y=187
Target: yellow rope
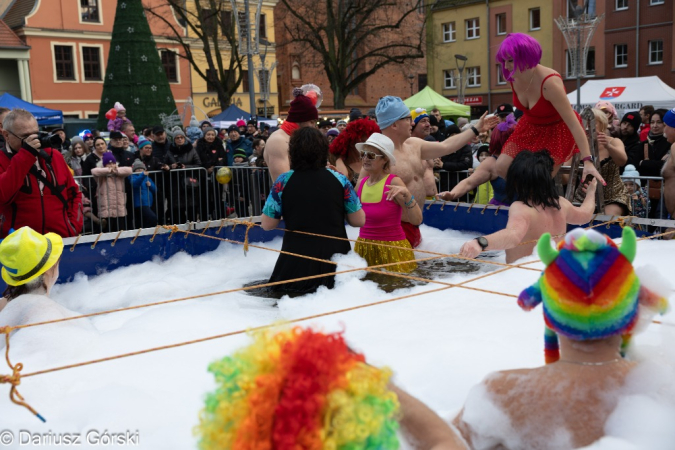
x=15, y=378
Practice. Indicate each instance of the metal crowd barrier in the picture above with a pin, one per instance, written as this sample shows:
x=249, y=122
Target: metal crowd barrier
x=656, y=207
x=181, y=195
x=446, y=181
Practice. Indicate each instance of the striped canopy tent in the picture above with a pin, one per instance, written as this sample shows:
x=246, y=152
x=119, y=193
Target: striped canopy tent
x=429, y=99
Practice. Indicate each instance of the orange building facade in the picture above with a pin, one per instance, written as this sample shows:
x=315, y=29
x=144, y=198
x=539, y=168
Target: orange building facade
x=69, y=41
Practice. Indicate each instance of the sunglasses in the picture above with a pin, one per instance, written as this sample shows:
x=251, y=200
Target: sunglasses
x=369, y=155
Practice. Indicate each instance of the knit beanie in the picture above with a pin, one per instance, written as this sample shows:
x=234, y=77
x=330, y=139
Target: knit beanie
x=138, y=164
x=108, y=158
x=633, y=117
x=241, y=123
x=119, y=107
x=630, y=171
x=239, y=153
x=143, y=142
x=193, y=121
x=333, y=132
x=77, y=140
x=589, y=289
x=355, y=114
x=418, y=114
x=178, y=132
x=302, y=108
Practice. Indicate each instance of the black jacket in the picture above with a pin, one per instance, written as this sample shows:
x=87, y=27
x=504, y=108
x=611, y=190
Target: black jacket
x=657, y=149
x=124, y=158
x=634, y=150
x=211, y=154
x=161, y=152
x=462, y=159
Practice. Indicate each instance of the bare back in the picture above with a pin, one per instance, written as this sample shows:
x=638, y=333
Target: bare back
x=276, y=154
x=558, y=406
x=540, y=220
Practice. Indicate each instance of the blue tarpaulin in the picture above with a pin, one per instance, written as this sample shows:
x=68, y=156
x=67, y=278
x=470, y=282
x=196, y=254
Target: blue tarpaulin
x=44, y=116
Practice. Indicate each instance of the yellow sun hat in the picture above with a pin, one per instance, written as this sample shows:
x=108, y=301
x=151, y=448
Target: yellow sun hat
x=26, y=254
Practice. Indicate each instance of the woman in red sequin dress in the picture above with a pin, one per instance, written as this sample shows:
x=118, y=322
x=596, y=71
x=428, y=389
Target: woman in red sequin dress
x=548, y=121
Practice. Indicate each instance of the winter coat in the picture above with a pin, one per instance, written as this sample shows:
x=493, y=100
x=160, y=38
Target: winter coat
x=657, y=149
x=185, y=155
x=462, y=159
x=75, y=163
x=634, y=150
x=112, y=198
x=143, y=194
x=116, y=125
x=123, y=157
x=24, y=201
x=242, y=143
x=194, y=133
x=163, y=152
x=90, y=162
x=211, y=154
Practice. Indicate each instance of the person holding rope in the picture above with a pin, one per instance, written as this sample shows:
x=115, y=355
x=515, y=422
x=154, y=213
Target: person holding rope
x=386, y=201
x=538, y=209
x=315, y=200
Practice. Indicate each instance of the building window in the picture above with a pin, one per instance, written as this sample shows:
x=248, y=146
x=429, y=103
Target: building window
x=535, y=19
x=472, y=28
x=244, y=81
x=588, y=8
x=590, y=63
x=421, y=81
x=501, y=24
x=89, y=11
x=500, y=75
x=262, y=30
x=91, y=62
x=449, y=77
x=295, y=71
x=212, y=81
x=656, y=2
x=63, y=59
x=170, y=65
x=621, y=55
x=209, y=21
x=226, y=23
x=92, y=115
x=656, y=52
x=620, y=5
x=473, y=76
x=448, y=32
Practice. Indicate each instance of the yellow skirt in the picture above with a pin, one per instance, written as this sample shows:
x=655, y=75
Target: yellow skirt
x=379, y=254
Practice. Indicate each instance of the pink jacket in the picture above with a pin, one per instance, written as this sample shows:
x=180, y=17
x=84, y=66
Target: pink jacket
x=112, y=199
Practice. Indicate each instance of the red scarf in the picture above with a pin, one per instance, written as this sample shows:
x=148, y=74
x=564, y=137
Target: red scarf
x=289, y=127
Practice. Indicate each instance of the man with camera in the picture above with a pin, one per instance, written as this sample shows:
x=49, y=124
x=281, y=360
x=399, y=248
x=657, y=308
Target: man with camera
x=36, y=187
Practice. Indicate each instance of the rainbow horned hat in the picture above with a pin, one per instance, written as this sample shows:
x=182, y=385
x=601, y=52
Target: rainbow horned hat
x=299, y=389
x=589, y=288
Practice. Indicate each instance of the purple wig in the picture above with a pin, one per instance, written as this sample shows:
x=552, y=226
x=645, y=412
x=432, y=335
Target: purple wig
x=523, y=49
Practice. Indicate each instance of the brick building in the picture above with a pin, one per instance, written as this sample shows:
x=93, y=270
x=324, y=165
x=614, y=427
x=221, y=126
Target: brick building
x=299, y=65
x=640, y=42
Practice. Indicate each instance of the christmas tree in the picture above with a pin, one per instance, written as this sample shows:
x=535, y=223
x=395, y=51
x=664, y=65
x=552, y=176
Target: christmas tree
x=135, y=76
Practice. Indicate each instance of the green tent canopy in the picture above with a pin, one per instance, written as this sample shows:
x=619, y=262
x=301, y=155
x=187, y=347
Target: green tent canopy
x=429, y=99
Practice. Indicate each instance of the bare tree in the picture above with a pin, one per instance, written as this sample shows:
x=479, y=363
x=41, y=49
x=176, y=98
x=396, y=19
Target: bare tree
x=211, y=37
x=353, y=39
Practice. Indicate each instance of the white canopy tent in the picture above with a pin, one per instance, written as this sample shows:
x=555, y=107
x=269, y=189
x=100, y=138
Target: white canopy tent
x=626, y=94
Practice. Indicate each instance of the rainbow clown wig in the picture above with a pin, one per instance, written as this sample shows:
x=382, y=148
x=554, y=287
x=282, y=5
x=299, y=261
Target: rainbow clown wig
x=523, y=49
x=295, y=390
x=589, y=289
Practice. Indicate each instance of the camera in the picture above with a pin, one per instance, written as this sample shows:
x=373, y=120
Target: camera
x=49, y=140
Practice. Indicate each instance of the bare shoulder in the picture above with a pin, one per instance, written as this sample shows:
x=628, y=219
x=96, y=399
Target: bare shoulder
x=504, y=382
x=277, y=139
x=396, y=181
x=413, y=146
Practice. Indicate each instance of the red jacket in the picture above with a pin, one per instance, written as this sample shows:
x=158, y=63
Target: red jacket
x=22, y=203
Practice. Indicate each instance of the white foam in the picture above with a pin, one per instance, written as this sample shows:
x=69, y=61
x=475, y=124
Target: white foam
x=440, y=345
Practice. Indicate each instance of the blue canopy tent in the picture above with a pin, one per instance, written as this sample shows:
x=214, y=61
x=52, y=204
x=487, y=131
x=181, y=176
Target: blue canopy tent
x=231, y=114
x=234, y=113
x=44, y=116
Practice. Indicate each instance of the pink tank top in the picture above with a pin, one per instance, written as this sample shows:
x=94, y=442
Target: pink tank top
x=383, y=219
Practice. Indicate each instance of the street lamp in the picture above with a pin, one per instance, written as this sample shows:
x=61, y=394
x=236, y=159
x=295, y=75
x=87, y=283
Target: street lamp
x=460, y=61
x=411, y=80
